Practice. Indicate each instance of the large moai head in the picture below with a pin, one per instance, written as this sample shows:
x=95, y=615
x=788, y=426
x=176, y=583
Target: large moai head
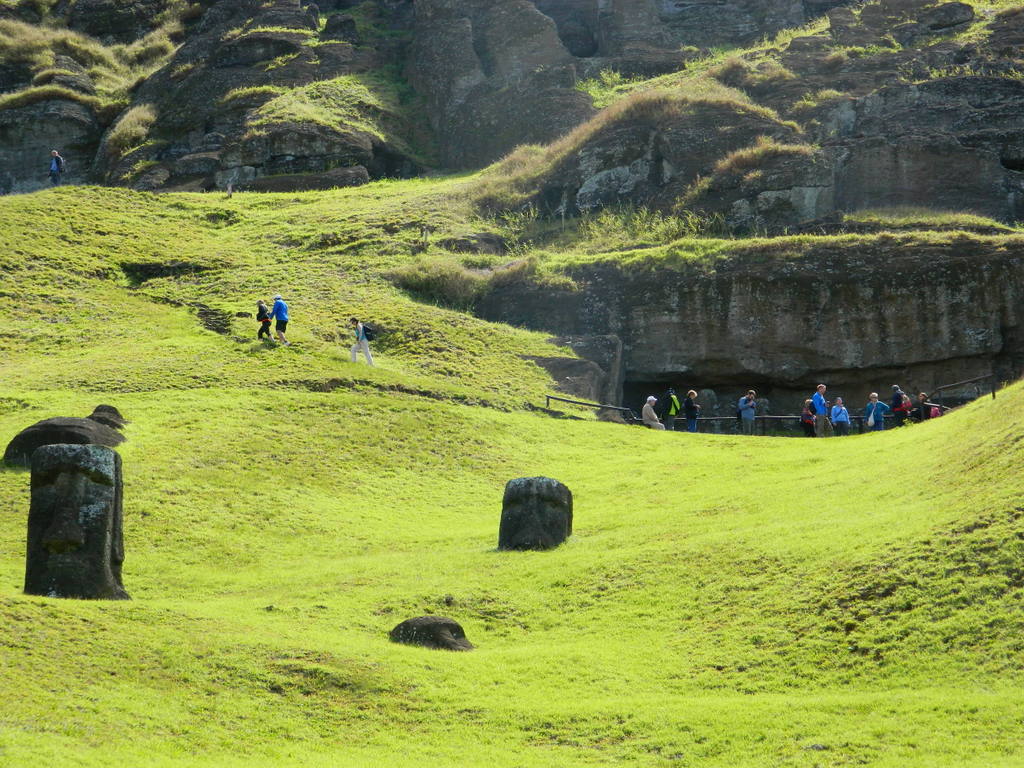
x=75, y=539
x=536, y=514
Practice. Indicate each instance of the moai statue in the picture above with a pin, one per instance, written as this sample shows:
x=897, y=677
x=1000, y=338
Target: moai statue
x=75, y=539
x=536, y=514
x=432, y=632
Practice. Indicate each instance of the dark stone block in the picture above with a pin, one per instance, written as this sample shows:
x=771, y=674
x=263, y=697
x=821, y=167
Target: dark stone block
x=432, y=632
x=75, y=524
x=536, y=514
x=947, y=15
x=98, y=429
x=108, y=415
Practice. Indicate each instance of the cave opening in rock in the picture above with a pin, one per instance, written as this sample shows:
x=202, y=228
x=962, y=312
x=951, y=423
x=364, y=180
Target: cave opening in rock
x=1012, y=163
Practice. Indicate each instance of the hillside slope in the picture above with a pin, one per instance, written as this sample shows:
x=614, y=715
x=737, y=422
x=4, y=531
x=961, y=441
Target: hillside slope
x=722, y=602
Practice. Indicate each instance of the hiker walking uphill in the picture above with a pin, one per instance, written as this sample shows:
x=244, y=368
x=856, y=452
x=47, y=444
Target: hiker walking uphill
x=280, y=313
x=363, y=336
x=263, y=318
x=57, y=166
x=672, y=409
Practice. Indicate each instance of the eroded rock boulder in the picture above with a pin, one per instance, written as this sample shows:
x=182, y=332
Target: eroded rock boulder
x=432, y=632
x=536, y=514
x=75, y=542
x=97, y=429
x=495, y=75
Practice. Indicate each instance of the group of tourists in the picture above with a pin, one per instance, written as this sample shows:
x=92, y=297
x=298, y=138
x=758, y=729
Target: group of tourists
x=672, y=410
x=819, y=418
x=278, y=314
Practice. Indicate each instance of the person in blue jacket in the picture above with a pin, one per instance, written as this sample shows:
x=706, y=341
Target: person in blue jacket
x=56, y=167
x=875, y=411
x=840, y=418
x=280, y=314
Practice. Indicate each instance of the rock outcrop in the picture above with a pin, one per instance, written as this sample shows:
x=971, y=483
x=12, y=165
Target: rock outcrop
x=783, y=316
x=954, y=143
x=435, y=632
x=75, y=542
x=256, y=97
x=494, y=75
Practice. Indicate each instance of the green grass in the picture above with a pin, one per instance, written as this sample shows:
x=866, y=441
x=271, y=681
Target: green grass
x=115, y=70
x=723, y=601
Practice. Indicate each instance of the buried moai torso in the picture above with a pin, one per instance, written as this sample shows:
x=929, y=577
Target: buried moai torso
x=536, y=514
x=75, y=540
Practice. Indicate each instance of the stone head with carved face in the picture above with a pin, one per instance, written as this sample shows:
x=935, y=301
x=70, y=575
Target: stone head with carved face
x=536, y=514
x=75, y=539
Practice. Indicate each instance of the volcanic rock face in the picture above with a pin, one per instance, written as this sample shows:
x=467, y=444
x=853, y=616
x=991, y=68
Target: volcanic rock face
x=536, y=514
x=432, y=632
x=75, y=541
x=651, y=151
x=216, y=121
x=100, y=428
x=495, y=75
x=781, y=323
x=27, y=135
x=955, y=144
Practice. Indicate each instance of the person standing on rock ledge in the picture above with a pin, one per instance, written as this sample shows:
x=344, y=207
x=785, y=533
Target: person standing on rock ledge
x=280, y=313
x=822, y=426
x=649, y=416
x=56, y=167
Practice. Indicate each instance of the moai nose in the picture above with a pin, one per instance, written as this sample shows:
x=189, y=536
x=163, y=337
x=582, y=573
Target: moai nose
x=64, y=533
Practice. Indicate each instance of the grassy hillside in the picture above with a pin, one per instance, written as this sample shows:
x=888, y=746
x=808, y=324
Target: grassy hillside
x=722, y=602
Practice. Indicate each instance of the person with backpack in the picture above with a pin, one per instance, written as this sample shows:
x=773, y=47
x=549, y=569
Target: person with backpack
x=364, y=334
x=746, y=410
x=691, y=410
x=840, y=418
x=672, y=409
x=901, y=405
x=874, y=413
x=807, y=419
x=57, y=166
x=280, y=313
x=263, y=318
x=822, y=426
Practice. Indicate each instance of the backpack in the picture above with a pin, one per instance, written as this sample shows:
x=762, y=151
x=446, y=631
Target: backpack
x=368, y=333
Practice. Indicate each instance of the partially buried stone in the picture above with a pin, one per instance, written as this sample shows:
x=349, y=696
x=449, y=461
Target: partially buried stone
x=75, y=537
x=100, y=428
x=432, y=632
x=108, y=415
x=536, y=514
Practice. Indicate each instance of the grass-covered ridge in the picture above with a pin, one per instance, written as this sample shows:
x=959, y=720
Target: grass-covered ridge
x=723, y=601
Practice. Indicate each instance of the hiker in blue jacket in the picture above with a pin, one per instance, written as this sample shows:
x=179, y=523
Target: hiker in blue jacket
x=874, y=412
x=56, y=167
x=280, y=314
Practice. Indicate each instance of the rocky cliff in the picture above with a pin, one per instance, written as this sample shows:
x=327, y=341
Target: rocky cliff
x=861, y=313
x=900, y=103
